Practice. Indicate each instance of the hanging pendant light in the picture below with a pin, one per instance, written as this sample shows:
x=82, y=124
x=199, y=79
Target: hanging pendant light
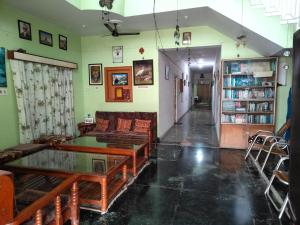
x=177, y=32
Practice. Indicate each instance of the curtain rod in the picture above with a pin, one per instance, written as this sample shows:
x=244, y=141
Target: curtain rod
x=40, y=59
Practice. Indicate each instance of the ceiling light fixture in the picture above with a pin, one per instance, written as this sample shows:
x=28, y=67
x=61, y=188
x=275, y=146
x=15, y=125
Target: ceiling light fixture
x=177, y=32
x=106, y=3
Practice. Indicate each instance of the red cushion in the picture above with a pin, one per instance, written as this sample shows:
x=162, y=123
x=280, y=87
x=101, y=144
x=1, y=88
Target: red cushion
x=101, y=124
x=123, y=125
x=142, y=126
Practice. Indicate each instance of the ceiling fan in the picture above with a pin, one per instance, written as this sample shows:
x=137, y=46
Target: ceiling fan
x=111, y=25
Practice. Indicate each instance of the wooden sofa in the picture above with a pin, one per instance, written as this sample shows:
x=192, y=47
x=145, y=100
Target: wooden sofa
x=112, y=133
x=31, y=206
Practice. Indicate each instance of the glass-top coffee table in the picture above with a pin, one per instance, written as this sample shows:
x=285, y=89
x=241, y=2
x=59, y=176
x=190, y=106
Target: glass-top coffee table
x=139, y=153
x=102, y=176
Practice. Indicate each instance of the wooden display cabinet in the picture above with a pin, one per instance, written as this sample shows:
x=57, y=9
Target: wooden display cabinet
x=248, y=99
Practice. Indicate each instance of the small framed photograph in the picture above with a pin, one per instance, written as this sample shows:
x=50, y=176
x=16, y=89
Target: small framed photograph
x=95, y=74
x=45, y=38
x=24, y=30
x=186, y=38
x=119, y=79
x=143, y=72
x=63, y=42
x=167, y=72
x=119, y=93
x=117, y=54
x=99, y=165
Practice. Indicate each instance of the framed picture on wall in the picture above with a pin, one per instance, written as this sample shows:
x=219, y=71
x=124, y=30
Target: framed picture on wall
x=186, y=38
x=24, y=30
x=99, y=165
x=45, y=38
x=167, y=72
x=117, y=54
x=119, y=79
x=95, y=74
x=63, y=42
x=143, y=72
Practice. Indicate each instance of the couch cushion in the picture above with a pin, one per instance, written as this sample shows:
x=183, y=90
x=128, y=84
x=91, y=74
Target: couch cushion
x=101, y=124
x=123, y=125
x=142, y=126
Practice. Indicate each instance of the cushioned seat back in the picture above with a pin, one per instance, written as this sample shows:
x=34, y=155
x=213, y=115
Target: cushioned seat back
x=113, y=118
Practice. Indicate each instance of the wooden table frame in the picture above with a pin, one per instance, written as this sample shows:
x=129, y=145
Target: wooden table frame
x=103, y=180
x=137, y=163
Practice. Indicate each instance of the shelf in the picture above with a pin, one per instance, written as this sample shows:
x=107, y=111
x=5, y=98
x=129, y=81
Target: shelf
x=236, y=112
x=255, y=124
x=250, y=100
x=242, y=74
x=248, y=87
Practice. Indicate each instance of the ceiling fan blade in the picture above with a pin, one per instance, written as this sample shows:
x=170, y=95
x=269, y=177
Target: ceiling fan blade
x=129, y=33
x=108, y=27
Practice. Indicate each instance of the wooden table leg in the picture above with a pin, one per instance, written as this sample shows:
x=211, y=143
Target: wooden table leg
x=146, y=152
x=104, y=194
x=124, y=172
x=134, y=163
x=74, y=204
x=39, y=217
x=58, y=217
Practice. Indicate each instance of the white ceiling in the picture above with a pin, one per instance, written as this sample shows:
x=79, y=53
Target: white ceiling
x=64, y=14
x=207, y=55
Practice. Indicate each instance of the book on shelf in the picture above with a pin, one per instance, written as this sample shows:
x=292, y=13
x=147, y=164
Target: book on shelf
x=260, y=119
x=249, y=94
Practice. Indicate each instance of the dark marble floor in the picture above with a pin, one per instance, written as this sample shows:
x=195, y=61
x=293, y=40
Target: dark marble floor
x=192, y=184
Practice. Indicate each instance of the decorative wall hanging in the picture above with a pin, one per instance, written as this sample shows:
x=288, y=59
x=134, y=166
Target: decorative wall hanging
x=186, y=38
x=118, y=84
x=141, y=51
x=24, y=30
x=63, y=42
x=95, y=74
x=167, y=72
x=3, y=80
x=143, y=72
x=45, y=38
x=117, y=54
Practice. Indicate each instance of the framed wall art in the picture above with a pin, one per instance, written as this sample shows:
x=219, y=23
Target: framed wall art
x=3, y=79
x=117, y=54
x=167, y=72
x=143, y=72
x=62, y=42
x=24, y=30
x=119, y=79
x=118, y=84
x=186, y=38
x=99, y=165
x=95, y=74
x=45, y=38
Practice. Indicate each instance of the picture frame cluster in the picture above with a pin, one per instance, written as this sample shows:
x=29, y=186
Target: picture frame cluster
x=45, y=38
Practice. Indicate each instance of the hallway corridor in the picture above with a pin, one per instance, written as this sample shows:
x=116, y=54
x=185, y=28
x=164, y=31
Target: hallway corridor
x=192, y=182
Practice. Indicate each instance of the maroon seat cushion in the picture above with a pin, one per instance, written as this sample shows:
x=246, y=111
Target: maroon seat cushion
x=142, y=126
x=123, y=125
x=101, y=124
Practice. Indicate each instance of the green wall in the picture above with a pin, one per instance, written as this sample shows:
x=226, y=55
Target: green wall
x=97, y=49
x=282, y=95
x=9, y=39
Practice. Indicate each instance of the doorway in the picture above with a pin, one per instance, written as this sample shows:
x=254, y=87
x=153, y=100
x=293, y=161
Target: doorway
x=204, y=92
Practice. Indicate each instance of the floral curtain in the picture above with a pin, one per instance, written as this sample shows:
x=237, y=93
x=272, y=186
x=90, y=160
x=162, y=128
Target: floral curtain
x=44, y=96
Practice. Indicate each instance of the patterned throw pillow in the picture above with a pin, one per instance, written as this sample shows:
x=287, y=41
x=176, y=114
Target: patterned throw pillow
x=123, y=125
x=101, y=124
x=142, y=126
